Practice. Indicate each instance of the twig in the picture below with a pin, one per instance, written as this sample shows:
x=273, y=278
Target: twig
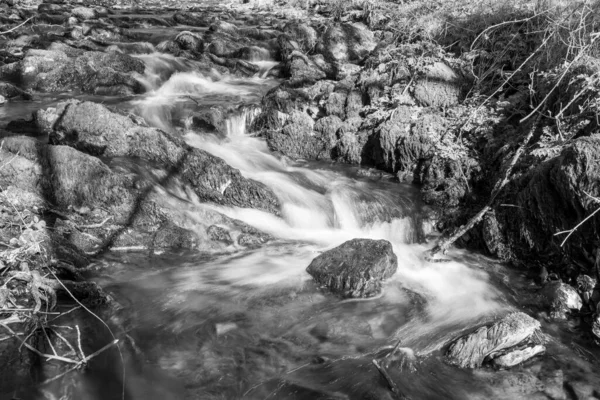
x=64, y=340
x=18, y=26
x=103, y=323
x=505, y=23
x=388, y=378
x=572, y=231
x=81, y=363
x=98, y=225
x=49, y=341
x=66, y=312
x=395, y=349
x=79, y=342
x=581, y=52
x=36, y=351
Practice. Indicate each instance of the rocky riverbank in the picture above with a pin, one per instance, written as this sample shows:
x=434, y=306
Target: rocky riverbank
x=351, y=87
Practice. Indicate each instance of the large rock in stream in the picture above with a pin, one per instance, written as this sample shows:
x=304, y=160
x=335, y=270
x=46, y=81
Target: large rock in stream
x=113, y=209
x=94, y=129
x=64, y=68
x=496, y=341
x=356, y=268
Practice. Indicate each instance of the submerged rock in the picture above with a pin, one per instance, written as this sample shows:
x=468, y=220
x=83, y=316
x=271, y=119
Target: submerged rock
x=470, y=351
x=356, y=268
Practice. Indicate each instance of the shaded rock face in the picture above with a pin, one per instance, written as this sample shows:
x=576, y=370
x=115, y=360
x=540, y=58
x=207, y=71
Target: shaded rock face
x=356, y=268
x=92, y=72
x=490, y=342
x=554, y=197
x=92, y=128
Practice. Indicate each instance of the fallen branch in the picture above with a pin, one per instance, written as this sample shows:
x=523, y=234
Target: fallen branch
x=444, y=243
x=36, y=351
x=81, y=363
x=98, y=225
x=392, y=385
x=18, y=26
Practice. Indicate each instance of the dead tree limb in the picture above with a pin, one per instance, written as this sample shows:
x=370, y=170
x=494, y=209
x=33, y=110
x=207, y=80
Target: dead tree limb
x=445, y=242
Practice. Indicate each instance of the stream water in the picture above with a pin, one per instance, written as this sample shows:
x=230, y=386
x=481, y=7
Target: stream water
x=250, y=323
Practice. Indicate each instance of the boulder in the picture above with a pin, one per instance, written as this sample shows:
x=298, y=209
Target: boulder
x=84, y=13
x=347, y=42
x=10, y=91
x=356, y=268
x=190, y=41
x=68, y=179
x=304, y=34
x=297, y=139
x=94, y=129
x=561, y=298
x=440, y=87
x=489, y=342
x=91, y=72
x=555, y=196
x=191, y=19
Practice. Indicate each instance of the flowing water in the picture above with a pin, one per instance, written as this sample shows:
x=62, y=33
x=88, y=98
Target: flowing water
x=250, y=323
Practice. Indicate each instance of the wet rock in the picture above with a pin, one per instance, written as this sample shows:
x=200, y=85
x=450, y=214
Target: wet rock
x=84, y=13
x=92, y=128
x=517, y=357
x=190, y=41
x=170, y=236
x=561, y=298
x=170, y=47
x=219, y=234
x=596, y=324
x=554, y=385
x=582, y=390
x=470, y=351
x=441, y=86
x=223, y=26
x=356, y=268
x=253, y=53
x=585, y=286
x=250, y=237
